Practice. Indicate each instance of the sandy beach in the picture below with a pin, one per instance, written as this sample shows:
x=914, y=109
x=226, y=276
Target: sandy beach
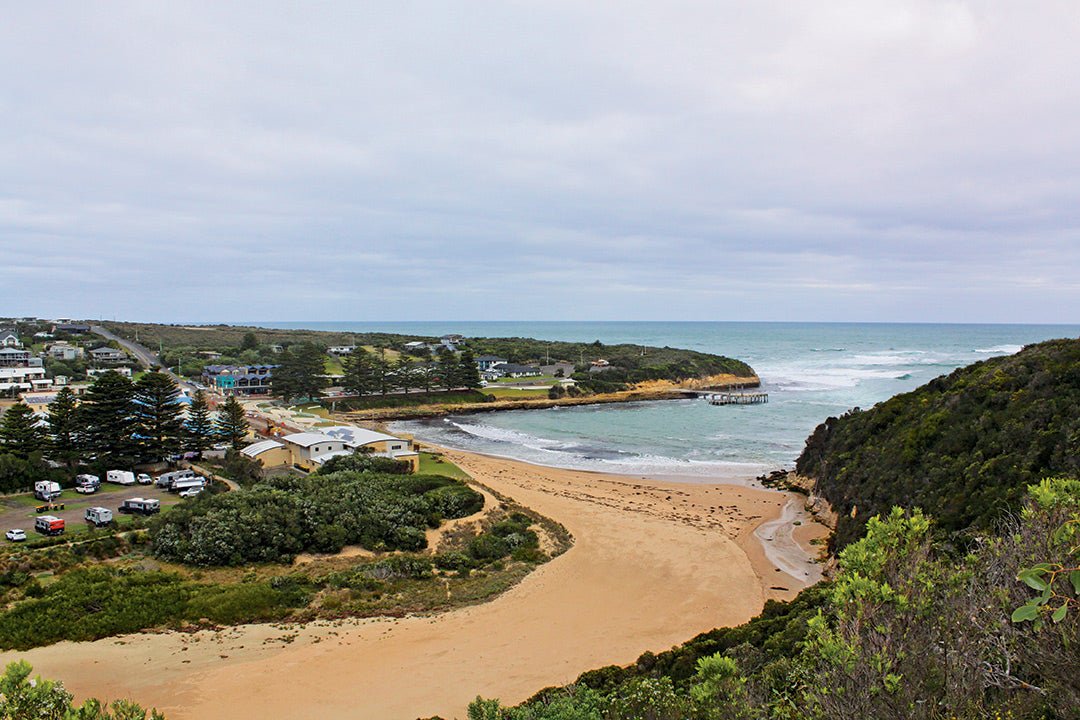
x=653, y=564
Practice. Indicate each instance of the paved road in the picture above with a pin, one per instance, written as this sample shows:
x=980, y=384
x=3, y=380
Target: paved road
x=147, y=358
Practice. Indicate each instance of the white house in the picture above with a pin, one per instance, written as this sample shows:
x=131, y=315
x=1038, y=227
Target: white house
x=20, y=379
x=341, y=349
x=309, y=450
x=64, y=351
x=9, y=339
x=94, y=372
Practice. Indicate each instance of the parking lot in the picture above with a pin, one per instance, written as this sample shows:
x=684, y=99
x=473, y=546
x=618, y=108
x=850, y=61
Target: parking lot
x=18, y=511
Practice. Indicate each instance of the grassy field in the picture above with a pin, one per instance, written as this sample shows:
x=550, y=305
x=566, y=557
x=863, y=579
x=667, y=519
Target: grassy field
x=433, y=464
x=504, y=393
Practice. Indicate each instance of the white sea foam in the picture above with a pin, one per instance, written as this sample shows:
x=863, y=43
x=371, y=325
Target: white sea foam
x=999, y=350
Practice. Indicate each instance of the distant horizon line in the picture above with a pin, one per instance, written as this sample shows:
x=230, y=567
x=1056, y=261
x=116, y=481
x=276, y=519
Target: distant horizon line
x=253, y=323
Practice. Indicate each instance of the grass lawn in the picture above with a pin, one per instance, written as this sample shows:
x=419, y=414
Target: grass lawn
x=333, y=366
x=432, y=464
x=502, y=393
x=539, y=379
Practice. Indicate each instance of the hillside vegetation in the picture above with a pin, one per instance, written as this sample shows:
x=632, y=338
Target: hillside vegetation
x=628, y=364
x=963, y=447
x=907, y=630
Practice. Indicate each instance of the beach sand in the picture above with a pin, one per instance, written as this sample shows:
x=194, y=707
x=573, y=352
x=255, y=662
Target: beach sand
x=654, y=563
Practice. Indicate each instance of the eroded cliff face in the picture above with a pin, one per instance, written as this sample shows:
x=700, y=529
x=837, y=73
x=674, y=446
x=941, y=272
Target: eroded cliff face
x=723, y=381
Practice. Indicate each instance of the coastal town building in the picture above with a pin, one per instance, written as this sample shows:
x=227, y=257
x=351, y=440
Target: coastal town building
x=341, y=349
x=310, y=450
x=71, y=328
x=239, y=379
x=513, y=370
x=107, y=355
x=486, y=362
x=9, y=339
x=64, y=351
x=95, y=372
x=14, y=357
x=14, y=380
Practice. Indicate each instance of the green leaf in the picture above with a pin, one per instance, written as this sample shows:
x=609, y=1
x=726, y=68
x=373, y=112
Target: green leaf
x=1025, y=612
x=1059, y=614
x=1032, y=578
x=1074, y=578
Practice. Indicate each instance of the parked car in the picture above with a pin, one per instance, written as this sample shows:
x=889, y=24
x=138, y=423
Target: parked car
x=86, y=489
x=15, y=535
x=144, y=479
x=190, y=492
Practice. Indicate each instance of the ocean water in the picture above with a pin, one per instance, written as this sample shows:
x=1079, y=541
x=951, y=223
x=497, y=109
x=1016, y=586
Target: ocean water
x=810, y=370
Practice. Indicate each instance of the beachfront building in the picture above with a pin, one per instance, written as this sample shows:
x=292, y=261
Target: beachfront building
x=341, y=350
x=309, y=450
x=240, y=379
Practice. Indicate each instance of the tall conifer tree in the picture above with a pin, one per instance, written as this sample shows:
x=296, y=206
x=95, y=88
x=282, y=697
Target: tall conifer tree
x=157, y=412
x=19, y=432
x=200, y=432
x=108, y=421
x=232, y=424
x=64, y=428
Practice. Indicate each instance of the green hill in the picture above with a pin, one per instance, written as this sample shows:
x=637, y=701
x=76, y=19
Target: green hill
x=963, y=447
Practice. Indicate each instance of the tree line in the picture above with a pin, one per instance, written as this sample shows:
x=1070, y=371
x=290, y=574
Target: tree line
x=116, y=423
x=368, y=373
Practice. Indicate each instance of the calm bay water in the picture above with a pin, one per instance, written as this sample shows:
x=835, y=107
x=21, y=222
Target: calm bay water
x=810, y=370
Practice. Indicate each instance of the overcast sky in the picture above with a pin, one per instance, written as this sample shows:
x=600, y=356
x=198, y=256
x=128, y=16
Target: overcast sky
x=541, y=160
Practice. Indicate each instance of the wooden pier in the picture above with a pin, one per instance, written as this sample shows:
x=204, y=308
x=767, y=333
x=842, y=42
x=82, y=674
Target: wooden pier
x=737, y=398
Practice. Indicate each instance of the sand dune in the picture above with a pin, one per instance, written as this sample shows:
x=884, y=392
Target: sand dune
x=653, y=564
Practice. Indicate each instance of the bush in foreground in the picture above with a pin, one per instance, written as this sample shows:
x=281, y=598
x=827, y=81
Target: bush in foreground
x=22, y=699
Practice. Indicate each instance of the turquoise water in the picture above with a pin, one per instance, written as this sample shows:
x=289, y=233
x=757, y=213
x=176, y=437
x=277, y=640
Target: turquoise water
x=810, y=370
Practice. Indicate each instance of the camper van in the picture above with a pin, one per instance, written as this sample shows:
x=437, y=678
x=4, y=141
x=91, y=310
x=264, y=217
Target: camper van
x=196, y=482
x=140, y=506
x=166, y=480
x=49, y=525
x=99, y=516
x=120, y=477
x=46, y=490
x=85, y=480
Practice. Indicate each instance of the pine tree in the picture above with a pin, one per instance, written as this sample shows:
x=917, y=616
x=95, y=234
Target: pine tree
x=20, y=433
x=107, y=417
x=200, y=432
x=468, y=370
x=449, y=370
x=232, y=424
x=301, y=373
x=380, y=373
x=157, y=412
x=404, y=373
x=359, y=373
x=64, y=428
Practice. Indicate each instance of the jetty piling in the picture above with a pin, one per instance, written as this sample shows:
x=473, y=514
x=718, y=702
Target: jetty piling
x=737, y=398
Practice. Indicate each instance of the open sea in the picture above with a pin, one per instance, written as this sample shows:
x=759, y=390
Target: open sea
x=810, y=370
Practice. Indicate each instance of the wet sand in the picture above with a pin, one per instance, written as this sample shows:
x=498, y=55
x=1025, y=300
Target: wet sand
x=653, y=564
